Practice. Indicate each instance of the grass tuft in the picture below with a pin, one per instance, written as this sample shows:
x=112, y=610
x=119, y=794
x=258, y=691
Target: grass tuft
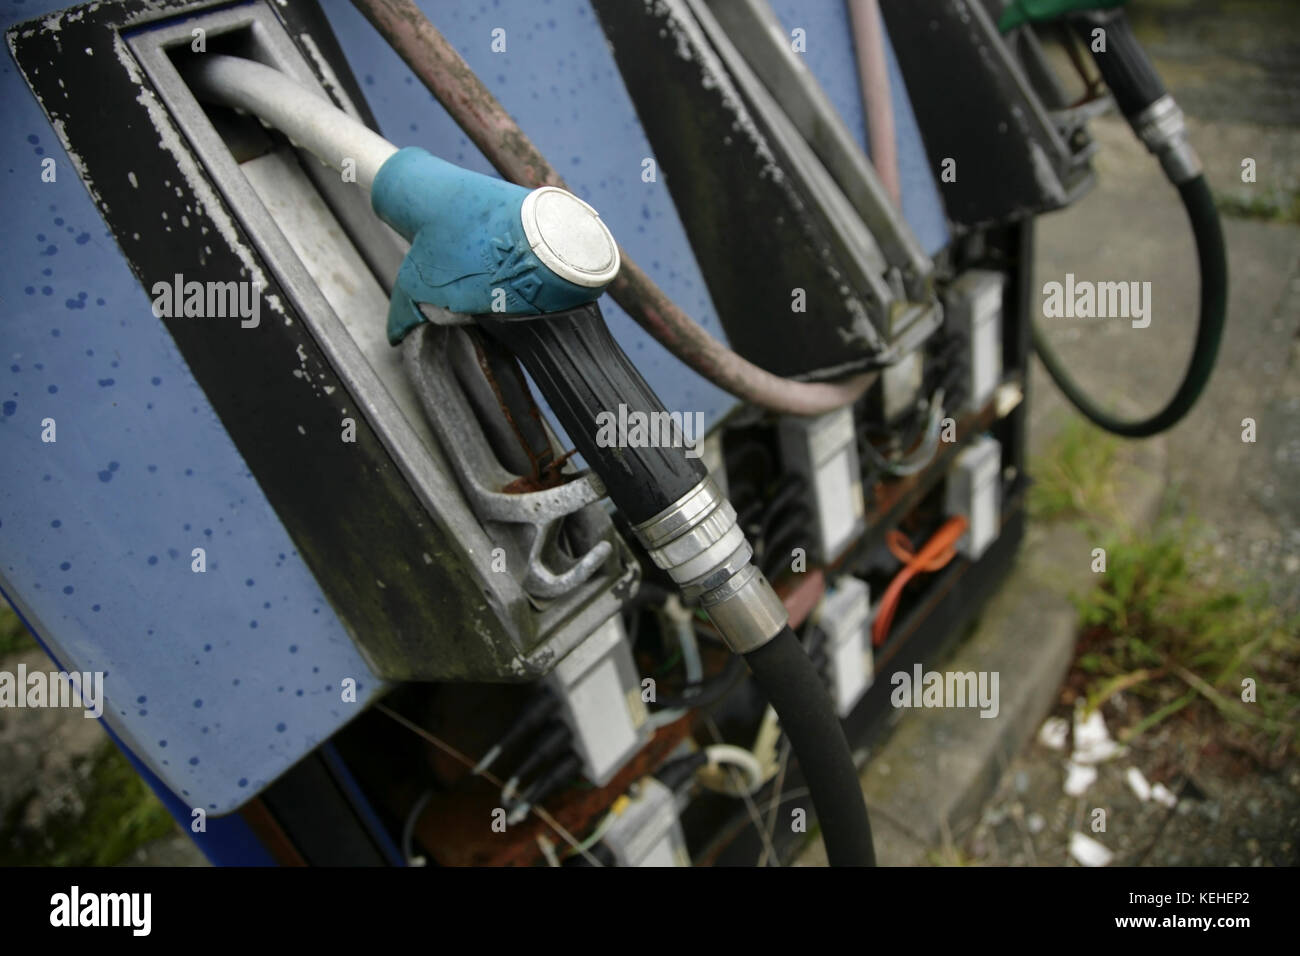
x=116, y=813
x=13, y=636
x=1168, y=626
x=1074, y=479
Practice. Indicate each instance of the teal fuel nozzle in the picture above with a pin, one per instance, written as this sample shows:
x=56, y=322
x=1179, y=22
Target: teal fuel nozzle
x=481, y=245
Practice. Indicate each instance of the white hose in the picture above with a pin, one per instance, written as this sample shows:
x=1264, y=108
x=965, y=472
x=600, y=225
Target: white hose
x=305, y=116
x=740, y=758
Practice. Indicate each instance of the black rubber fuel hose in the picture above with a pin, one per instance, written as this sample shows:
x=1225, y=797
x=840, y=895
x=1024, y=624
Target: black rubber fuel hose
x=1209, y=331
x=795, y=690
x=1136, y=87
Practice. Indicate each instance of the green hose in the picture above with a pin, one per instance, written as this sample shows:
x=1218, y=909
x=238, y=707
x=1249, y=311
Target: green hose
x=1213, y=260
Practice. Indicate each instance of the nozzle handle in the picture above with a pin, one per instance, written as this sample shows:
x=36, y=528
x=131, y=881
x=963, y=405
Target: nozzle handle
x=647, y=458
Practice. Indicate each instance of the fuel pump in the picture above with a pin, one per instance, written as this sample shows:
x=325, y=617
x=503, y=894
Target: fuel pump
x=527, y=266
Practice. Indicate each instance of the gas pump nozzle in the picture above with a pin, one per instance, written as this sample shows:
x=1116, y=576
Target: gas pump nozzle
x=528, y=265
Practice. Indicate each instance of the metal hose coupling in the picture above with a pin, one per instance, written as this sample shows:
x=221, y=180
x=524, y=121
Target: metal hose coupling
x=1163, y=129
x=698, y=541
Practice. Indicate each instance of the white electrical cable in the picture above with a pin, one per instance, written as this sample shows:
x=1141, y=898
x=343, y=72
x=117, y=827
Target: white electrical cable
x=305, y=116
x=740, y=758
x=683, y=620
x=918, y=460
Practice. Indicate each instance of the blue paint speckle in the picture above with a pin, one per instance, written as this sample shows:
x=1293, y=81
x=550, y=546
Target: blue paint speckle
x=153, y=559
x=281, y=728
x=198, y=703
x=106, y=383
x=65, y=566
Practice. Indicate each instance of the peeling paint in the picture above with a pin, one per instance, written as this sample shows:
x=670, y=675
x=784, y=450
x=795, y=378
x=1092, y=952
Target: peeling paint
x=208, y=202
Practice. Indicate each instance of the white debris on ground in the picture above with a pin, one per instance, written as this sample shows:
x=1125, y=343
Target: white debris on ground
x=1138, y=783
x=1054, y=732
x=1092, y=745
x=1164, y=796
x=1088, y=852
x=1079, y=777
x=1092, y=741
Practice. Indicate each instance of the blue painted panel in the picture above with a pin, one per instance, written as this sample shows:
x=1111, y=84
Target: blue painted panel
x=832, y=59
x=218, y=681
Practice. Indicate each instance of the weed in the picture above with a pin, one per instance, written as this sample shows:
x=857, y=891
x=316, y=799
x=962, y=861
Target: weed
x=13, y=636
x=1268, y=207
x=1165, y=626
x=118, y=813
x=1074, y=479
